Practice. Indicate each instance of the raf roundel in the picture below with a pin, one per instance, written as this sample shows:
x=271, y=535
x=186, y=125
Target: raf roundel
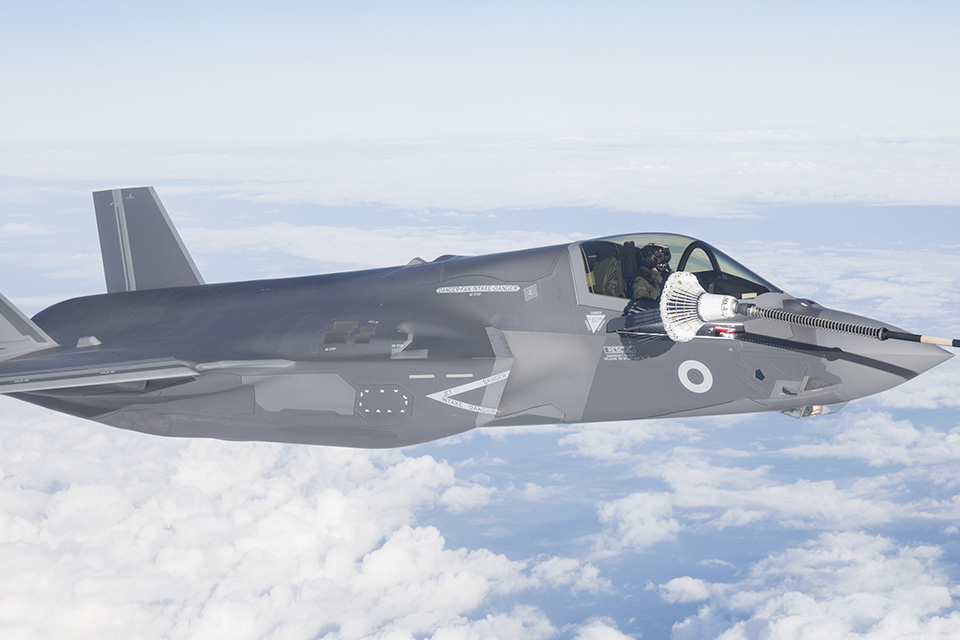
x=690, y=382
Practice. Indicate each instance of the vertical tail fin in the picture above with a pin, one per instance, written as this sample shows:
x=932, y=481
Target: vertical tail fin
x=141, y=248
x=18, y=335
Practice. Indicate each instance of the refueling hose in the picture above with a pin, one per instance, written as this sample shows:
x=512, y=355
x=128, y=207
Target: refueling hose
x=685, y=307
x=878, y=333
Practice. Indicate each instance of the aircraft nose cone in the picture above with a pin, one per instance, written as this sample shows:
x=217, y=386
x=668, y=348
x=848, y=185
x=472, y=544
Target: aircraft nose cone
x=911, y=357
x=868, y=366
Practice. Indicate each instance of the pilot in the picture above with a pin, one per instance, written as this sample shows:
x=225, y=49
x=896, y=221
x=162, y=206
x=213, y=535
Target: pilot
x=608, y=274
x=653, y=267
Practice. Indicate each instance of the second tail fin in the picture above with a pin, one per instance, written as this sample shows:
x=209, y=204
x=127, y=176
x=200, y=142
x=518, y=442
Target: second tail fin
x=141, y=248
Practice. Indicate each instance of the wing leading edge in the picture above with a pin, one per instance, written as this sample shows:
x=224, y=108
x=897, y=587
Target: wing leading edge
x=63, y=371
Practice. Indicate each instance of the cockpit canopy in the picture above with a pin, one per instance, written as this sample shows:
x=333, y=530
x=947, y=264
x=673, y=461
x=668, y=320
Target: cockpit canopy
x=619, y=266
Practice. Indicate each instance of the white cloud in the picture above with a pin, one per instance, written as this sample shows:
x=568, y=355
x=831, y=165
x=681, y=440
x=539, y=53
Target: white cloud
x=601, y=629
x=881, y=440
x=800, y=504
x=500, y=433
x=936, y=389
x=11, y=230
x=683, y=173
x=707, y=497
x=413, y=583
x=685, y=589
x=80, y=273
x=522, y=622
x=618, y=441
x=713, y=563
x=533, y=492
x=841, y=585
x=737, y=496
x=461, y=498
x=104, y=530
x=562, y=572
x=902, y=286
x=635, y=523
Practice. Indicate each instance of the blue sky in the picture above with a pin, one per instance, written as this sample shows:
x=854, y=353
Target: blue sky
x=818, y=144
x=227, y=71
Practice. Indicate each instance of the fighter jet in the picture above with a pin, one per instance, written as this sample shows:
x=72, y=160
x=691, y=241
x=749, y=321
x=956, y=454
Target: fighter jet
x=648, y=325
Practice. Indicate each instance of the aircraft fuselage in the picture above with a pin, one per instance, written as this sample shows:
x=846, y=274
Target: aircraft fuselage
x=396, y=356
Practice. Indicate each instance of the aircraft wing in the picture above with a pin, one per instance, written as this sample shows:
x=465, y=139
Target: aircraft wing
x=44, y=374
x=81, y=368
x=30, y=361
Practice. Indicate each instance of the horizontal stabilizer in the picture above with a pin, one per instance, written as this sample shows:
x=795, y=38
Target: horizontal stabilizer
x=18, y=335
x=141, y=248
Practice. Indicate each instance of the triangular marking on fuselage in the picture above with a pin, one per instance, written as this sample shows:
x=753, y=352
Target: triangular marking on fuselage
x=595, y=321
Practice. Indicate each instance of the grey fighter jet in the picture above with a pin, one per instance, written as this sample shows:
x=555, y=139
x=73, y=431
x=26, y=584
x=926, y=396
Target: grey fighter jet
x=636, y=326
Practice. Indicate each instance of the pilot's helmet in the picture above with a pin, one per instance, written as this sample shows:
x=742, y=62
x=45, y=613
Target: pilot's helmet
x=655, y=256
